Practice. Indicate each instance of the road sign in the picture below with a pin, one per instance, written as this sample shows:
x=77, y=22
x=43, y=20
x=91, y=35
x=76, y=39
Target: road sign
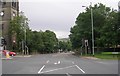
x=86, y=42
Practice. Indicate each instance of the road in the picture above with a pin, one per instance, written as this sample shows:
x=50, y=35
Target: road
x=60, y=63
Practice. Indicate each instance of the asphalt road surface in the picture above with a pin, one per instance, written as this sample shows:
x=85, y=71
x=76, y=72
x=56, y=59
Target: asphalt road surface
x=60, y=63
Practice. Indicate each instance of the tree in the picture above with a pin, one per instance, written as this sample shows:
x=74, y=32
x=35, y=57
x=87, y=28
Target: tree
x=105, y=27
x=36, y=41
x=50, y=41
x=65, y=45
x=17, y=30
x=42, y=42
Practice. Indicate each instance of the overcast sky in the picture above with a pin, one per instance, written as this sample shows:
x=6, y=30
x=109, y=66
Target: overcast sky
x=57, y=15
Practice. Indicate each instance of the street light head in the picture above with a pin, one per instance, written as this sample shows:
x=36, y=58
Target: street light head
x=1, y=13
x=119, y=4
x=83, y=6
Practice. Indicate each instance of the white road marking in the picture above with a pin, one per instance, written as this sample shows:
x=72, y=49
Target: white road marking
x=48, y=61
x=41, y=69
x=101, y=62
x=68, y=74
x=58, y=62
x=80, y=68
x=55, y=63
x=57, y=69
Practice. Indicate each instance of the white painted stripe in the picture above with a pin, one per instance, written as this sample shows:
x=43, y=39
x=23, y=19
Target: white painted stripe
x=58, y=62
x=101, y=62
x=55, y=63
x=48, y=61
x=58, y=69
x=68, y=74
x=41, y=69
x=80, y=68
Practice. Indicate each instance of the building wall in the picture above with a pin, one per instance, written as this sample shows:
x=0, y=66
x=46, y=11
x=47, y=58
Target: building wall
x=10, y=9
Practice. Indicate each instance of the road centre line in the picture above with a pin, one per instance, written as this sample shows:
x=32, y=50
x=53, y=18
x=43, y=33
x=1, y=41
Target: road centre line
x=57, y=69
x=80, y=68
x=41, y=69
x=47, y=61
x=58, y=62
x=55, y=63
x=73, y=62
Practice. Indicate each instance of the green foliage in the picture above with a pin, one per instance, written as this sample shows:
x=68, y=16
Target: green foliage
x=36, y=41
x=50, y=40
x=106, y=27
x=16, y=31
x=65, y=46
x=42, y=42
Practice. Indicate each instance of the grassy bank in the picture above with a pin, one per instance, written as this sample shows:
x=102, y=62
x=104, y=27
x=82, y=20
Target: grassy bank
x=105, y=55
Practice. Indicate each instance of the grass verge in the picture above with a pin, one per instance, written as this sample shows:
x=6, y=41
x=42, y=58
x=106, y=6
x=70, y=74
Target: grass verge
x=108, y=56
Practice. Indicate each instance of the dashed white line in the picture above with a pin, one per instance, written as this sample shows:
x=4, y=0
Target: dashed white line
x=55, y=63
x=48, y=61
x=58, y=62
x=41, y=69
x=80, y=69
x=73, y=62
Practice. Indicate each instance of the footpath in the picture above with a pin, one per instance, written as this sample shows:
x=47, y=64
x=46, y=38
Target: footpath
x=87, y=57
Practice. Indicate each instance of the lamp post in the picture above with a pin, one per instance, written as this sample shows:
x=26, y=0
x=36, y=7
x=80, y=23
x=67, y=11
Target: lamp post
x=1, y=15
x=92, y=28
x=119, y=6
x=24, y=22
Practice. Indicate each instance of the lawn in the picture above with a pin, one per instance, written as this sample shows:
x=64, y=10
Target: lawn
x=106, y=55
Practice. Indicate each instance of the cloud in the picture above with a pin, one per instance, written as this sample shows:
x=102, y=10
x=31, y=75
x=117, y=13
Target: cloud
x=62, y=34
x=57, y=15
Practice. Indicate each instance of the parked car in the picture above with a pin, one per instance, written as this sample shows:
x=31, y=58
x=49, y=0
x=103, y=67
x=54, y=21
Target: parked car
x=9, y=52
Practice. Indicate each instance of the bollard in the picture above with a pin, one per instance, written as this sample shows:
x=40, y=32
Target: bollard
x=7, y=55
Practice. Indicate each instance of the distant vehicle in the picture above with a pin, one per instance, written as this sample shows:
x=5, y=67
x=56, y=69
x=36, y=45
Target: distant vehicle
x=10, y=53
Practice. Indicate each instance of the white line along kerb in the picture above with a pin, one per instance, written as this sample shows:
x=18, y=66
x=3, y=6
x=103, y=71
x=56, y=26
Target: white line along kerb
x=80, y=68
x=41, y=69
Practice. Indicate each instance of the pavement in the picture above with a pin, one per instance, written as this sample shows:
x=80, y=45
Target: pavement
x=87, y=57
x=59, y=63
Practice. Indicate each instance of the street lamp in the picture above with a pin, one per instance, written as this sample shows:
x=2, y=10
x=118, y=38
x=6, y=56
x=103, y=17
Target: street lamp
x=119, y=6
x=24, y=24
x=1, y=15
x=92, y=27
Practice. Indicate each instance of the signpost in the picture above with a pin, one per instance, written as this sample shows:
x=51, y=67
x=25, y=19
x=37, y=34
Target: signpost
x=86, y=47
x=1, y=48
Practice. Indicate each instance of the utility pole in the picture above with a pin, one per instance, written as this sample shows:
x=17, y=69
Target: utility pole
x=24, y=23
x=92, y=29
x=119, y=6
